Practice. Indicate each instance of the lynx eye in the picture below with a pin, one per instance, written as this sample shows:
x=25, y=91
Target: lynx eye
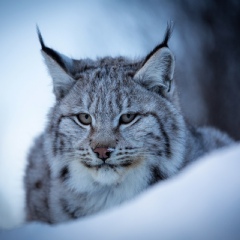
x=127, y=118
x=84, y=118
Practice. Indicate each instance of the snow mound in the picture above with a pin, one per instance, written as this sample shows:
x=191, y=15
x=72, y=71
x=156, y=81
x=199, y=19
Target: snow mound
x=201, y=202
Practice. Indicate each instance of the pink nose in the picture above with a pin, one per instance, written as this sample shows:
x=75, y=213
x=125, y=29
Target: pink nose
x=102, y=152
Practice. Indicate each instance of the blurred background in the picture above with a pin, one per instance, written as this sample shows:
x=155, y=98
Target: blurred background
x=205, y=42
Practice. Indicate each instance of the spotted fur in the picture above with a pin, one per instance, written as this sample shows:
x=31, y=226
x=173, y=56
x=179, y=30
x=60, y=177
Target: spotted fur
x=65, y=178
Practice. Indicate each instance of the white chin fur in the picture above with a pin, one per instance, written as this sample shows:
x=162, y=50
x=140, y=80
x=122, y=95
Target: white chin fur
x=106, y=175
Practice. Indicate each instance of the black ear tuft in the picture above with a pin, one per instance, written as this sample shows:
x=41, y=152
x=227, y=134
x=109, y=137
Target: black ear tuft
x=167, y=35
x=50, y=52
x=164, y=43
x=40, y=38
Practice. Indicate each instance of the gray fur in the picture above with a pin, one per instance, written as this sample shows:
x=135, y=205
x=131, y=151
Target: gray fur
x=65, y=179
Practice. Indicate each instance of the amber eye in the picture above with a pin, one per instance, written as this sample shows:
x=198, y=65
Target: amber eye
x=84, y=118
x=127, y=118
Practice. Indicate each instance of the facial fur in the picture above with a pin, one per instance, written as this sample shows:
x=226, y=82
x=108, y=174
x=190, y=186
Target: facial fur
x=106, y=93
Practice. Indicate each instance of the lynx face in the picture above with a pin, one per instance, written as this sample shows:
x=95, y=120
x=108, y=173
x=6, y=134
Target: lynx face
x=114, y=118
x=109, y=126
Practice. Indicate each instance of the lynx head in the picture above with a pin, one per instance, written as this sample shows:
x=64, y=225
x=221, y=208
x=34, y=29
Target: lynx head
x=115, y=119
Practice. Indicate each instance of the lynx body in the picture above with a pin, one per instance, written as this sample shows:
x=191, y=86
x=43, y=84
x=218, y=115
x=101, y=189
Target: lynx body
x=116, y=128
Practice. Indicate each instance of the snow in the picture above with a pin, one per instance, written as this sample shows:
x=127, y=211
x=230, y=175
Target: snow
x=202, y=202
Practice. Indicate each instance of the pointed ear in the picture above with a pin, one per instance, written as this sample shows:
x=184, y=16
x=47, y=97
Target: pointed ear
x=157, y=71
x=62, y=81
x=59, y=67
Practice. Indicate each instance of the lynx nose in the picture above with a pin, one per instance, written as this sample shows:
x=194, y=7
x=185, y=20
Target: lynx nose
x=103, y=152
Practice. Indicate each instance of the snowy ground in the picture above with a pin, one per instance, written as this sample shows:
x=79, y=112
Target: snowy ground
x=202, y=202
x=88, y=29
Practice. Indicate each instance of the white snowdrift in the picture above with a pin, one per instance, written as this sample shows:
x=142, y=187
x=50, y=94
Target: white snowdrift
x=202, y=202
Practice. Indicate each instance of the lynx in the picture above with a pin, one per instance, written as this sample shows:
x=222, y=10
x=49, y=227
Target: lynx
x=116, y=129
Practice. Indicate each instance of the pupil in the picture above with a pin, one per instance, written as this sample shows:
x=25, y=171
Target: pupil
x=128, y=116
x=86, y=116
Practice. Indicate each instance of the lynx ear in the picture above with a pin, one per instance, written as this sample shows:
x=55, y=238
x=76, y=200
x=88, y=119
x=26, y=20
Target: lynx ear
x=59, y=67
x=157, y=71
x=158, y=68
